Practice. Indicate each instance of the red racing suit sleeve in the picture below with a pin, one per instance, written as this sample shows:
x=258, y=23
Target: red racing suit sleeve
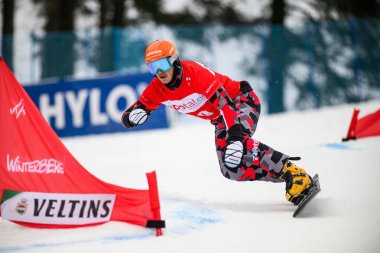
x=150, y=97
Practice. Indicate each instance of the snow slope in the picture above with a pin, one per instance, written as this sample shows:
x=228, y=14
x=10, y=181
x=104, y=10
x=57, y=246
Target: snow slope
x=205, y=212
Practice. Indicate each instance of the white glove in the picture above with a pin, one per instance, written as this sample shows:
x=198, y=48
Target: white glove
x=138, y=116
x=234, y=154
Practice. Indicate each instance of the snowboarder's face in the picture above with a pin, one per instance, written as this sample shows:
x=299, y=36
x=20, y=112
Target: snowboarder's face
x=165, y=77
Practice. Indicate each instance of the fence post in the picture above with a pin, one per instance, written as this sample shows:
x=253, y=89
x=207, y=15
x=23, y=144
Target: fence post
x=310, y=59
x=88, y=48
x=33, y=55
x=356, y=61
x=210, y=41
x=264, y=56
x=116, y=42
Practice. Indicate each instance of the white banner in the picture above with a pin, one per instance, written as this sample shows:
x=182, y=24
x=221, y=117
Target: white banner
x=58, y=209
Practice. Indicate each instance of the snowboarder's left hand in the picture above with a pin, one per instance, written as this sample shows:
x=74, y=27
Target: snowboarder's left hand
x=234, y=154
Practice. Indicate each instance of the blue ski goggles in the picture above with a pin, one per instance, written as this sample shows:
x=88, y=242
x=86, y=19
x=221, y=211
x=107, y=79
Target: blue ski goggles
x=161, y=64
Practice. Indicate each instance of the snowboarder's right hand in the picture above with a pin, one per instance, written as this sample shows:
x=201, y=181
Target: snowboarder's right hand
x=134, y=116
x=138, y=116
x=234, y=154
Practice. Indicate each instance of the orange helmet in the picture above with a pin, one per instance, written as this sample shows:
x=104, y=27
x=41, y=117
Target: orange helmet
x=161, y=49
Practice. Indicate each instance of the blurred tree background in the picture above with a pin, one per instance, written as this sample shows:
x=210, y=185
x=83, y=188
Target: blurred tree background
x=329, y=28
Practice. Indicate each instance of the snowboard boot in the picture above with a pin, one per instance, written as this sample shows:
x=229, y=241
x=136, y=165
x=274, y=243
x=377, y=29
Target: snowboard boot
x=297, y=182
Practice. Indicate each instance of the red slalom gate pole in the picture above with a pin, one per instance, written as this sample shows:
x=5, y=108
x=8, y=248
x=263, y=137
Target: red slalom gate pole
x=154, y=200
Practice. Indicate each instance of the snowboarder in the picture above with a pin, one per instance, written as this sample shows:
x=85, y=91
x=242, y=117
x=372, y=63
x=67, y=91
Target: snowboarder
x=231, y=106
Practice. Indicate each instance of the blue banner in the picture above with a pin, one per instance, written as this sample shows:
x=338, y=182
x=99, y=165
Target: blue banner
x=81, y=107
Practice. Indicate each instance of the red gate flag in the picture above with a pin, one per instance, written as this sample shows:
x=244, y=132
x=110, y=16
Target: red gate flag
x=365, y=127
x=43, y=185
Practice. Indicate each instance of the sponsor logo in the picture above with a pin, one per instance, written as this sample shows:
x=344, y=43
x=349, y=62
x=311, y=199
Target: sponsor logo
x=18, y=109
x=188, y=104
x=205, y=113
x=54, y=208
x=255, y=149
x=42, y=166
x=188, y=79
x=242, y=110
x=22, y=206
x=153, y=53
x=210, y=86
x=82, y=104
x=89, y=106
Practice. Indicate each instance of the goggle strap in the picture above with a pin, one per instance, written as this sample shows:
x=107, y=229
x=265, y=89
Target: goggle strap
x=174, y=57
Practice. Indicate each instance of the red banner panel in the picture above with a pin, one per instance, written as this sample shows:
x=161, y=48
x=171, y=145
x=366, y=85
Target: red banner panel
x=367, y=126
x=43, y=185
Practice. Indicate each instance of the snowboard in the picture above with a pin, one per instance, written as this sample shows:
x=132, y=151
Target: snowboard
x=313, y=190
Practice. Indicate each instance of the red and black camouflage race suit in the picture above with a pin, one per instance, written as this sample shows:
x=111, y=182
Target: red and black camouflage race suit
x=231, y=106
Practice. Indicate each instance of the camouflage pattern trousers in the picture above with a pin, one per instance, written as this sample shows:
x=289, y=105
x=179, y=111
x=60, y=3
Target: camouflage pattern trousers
x=260, y=162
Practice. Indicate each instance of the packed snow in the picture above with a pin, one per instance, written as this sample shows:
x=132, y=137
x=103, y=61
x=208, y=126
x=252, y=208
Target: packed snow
x=205, y=212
